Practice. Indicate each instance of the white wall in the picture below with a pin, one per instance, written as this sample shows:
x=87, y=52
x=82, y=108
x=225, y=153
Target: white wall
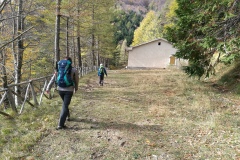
x=151, y=55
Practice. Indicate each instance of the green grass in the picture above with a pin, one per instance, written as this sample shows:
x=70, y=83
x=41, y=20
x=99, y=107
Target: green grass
x=19, y=135
x=137, y=114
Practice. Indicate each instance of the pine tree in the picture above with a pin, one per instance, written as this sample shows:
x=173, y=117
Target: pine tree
x=203, y=30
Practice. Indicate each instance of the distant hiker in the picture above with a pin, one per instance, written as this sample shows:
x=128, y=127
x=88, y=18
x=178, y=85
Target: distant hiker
x=67, y=83
x=101, y=72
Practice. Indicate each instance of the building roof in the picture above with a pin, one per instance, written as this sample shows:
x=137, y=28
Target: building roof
x=131, y=47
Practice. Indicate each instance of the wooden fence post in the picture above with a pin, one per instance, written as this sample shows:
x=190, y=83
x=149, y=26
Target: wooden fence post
x=11, y=100
x=34, y=94
x=3, y=97
x=25, y=98
x=43, y=90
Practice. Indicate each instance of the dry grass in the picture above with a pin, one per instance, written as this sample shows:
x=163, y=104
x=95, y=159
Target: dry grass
x=138, y=114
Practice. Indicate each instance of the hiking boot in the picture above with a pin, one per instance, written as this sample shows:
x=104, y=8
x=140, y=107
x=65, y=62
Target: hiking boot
x=61, y=127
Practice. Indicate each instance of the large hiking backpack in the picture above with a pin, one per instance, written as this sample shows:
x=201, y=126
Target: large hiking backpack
x=64, y=78
x=101, y=70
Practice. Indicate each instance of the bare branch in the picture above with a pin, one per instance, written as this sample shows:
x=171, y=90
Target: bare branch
x=1, y=47
x=3, y=4
x=6, y=114
x=1, y=20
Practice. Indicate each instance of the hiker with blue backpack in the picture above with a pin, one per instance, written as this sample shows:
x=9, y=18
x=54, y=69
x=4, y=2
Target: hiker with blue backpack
x=101, y=72
x=67, y=80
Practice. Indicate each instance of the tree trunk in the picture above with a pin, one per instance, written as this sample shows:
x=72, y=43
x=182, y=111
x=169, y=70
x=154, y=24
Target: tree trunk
x=2, y=65
x=3, y=5
x=93, y=51
x=73, y=48
x=20, y=49
x=79, y=56
x=3, y=69
x=67, y=43
x=57, y=32
x=93, y=37
x=98, y=54
x=4, y=75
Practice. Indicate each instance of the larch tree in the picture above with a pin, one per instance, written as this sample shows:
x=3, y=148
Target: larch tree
x=105, y=32
x=169, y=16
x=123, y=53
x=148, y=29
x=3, y=71
x=95, y=30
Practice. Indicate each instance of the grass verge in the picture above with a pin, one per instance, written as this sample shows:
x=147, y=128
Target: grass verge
x=137, y=114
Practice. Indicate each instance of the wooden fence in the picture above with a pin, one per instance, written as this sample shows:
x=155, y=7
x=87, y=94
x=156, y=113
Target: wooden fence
x=37, y=88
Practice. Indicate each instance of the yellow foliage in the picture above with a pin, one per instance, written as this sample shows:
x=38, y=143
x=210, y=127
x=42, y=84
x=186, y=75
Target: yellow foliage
x=169, y=25
x=9, y=61
x=148, y=29
x=170, y=15
x=172, y=8
x=149, y=143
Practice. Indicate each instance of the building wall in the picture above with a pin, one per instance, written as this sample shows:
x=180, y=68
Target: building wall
x=155, y=54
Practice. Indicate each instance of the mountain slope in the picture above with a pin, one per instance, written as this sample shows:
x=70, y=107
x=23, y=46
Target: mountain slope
x=142, y=6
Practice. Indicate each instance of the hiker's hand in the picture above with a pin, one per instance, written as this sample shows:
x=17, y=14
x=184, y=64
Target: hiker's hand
x=75, y=90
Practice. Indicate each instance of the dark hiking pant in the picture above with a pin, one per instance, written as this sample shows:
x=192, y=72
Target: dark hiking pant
x=101, y=78
x=66, y=98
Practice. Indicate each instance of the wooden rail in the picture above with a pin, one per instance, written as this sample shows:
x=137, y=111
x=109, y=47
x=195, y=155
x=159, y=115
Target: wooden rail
x=31, y=87
x=37, y=88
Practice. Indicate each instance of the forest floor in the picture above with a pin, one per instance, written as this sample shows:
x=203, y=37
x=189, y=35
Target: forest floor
x=142, y=114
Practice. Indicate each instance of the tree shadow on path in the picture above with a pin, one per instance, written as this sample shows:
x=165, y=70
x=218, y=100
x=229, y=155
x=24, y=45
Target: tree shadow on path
x=94, y=124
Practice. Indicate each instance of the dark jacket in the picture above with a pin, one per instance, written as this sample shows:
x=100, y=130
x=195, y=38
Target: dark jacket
x=102, y=71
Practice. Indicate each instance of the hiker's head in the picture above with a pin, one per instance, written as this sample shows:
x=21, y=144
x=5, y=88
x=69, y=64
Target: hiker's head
x=68, y=58
x=101, y=65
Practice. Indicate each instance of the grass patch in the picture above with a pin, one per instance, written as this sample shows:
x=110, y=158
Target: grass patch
x=20, y=134
x=137, y=114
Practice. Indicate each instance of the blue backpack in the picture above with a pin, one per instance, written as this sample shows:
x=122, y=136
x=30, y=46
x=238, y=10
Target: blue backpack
x=101, y=70
x=64, y=78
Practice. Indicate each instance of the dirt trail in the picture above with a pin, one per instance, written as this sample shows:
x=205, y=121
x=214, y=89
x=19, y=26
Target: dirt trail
x=147, y=115
x=106, y=123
